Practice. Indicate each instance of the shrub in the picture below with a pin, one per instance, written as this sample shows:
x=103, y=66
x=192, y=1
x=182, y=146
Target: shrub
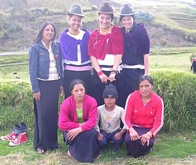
x=144, y=16
x=16, y=104
x=178, y=91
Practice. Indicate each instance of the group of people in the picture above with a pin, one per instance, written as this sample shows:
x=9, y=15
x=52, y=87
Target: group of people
x=104, y=78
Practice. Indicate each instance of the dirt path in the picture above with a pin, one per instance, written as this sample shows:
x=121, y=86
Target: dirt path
x=61, y=159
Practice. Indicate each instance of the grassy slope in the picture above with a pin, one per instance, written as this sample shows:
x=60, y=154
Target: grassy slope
x=173, y=25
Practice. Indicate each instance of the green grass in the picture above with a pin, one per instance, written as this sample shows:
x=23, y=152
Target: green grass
x=13, y=59
x=176, y=145
x=173, y=62
x=167, y=146
x=160, y=58
x=172, y=147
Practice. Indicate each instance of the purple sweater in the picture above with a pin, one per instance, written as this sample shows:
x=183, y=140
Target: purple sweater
x=136, y=44
x=68, y=117
x=69, y=46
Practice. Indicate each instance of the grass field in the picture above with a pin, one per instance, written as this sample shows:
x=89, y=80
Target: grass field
x=177, y=149
x=160, y=58
x=169, y=149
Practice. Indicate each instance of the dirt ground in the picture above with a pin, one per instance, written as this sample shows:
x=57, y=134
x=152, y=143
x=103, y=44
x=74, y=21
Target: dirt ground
x=60, y=159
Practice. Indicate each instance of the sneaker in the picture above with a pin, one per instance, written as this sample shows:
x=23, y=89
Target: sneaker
x=21, y=138
x=11, y=136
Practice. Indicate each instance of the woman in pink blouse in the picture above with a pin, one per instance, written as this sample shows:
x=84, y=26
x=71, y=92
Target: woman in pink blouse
x=77, y=119
x=144, y=118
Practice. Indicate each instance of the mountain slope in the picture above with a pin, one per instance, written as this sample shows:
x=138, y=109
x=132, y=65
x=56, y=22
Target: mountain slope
x=168, y=23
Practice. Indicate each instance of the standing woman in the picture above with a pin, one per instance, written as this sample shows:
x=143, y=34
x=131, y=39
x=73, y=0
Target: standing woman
x=74, y=50
x=77, y=119
x=144, y=118
x=105, y=50
x=136, y=49
x=45, y=69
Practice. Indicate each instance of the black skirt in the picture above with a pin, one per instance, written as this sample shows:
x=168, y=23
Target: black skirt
x=84, y=148
x=46, y=110
x=70, y=75
x=98, y=88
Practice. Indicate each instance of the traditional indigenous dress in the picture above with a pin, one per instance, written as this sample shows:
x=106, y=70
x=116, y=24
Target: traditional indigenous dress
x=136, y=45
x=76, y=61
x=84, y=147
x=104, y=48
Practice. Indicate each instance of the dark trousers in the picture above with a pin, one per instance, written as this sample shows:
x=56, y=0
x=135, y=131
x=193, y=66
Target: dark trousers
x=135, y=148
x=108, y=137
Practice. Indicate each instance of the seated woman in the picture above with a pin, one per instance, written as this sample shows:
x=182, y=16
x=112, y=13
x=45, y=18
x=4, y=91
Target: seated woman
x=77, y=119
x=144, y=118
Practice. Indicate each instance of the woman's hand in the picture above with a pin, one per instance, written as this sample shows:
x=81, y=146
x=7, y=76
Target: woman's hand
x=73, y=133
x=37, y=96
x=112, y=77
x=103, y=78
x=99, y=136
x=133, y=134
x=145, y=139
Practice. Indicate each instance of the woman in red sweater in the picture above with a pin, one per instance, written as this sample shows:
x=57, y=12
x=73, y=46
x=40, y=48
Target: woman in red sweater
x=105, y=48
x=144, y=118
x=77, y=119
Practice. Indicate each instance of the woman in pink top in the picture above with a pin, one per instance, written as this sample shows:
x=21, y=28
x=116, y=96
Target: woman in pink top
x=144, y=118
x=77, y=119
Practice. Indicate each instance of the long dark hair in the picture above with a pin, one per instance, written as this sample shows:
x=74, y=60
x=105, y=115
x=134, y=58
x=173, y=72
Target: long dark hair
x=75, y=82
x=40, y=32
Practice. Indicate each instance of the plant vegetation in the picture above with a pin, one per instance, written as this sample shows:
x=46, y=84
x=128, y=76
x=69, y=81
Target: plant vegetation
x=169, y=23
x=175, y=84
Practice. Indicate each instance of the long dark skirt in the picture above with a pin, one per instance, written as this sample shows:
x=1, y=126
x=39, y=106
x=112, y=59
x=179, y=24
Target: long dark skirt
x=135, y=148
x=98, y=88
x=71, y=75
x=84, y=148
x=131, y=77
x=45, y=110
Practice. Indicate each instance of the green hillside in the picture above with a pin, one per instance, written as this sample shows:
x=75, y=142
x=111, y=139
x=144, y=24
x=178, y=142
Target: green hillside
x=169, y=23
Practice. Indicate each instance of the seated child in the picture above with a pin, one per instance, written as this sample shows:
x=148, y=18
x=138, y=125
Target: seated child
x=110, y=117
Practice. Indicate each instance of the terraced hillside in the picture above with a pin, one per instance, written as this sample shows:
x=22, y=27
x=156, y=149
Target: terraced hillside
x=169, y=23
